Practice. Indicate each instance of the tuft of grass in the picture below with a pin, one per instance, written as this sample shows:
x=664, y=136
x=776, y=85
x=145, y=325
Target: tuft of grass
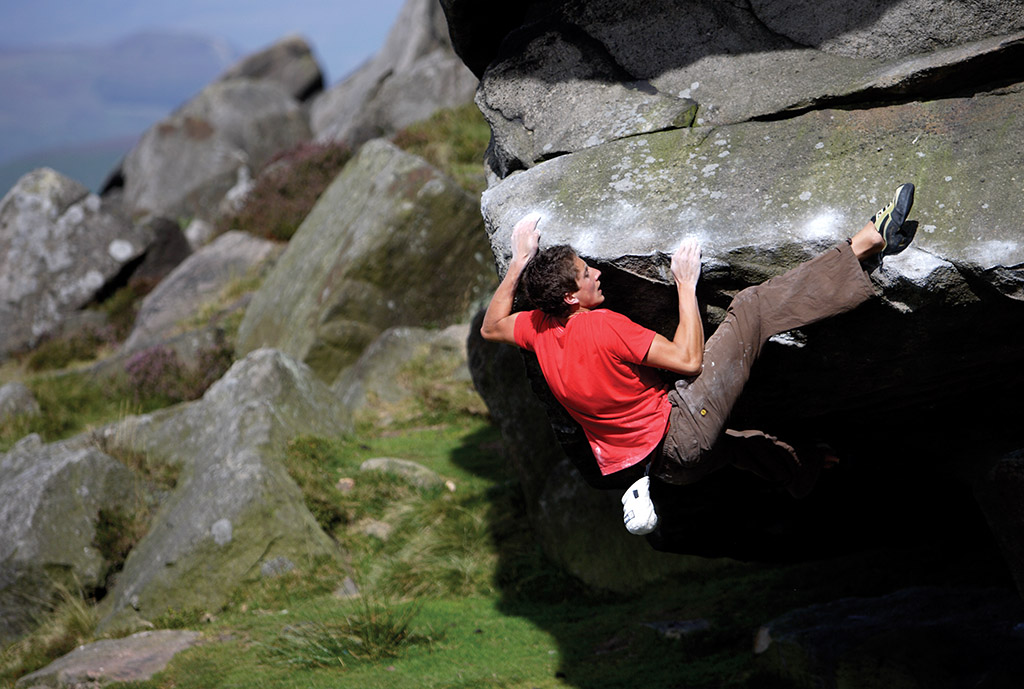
x=286, y=190
x=453, y=140
x=371, y=631
x=62, y=351
x=185, y=618
x=70, y=622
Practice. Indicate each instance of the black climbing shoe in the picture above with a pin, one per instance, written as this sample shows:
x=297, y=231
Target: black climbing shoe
x=889, y=221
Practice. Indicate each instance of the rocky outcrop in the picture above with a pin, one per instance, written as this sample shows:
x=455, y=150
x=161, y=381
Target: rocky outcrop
x=234, y=508
x=132, y=659
x=415, y=74
x=199, y=280
x=185, y=165
x=927, y=637
x=50, y=500
x=801, y=129
x=391, y=242
x=60, y=247
x=289, y=63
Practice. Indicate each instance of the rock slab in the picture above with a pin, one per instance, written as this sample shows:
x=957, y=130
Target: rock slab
x=133, y=659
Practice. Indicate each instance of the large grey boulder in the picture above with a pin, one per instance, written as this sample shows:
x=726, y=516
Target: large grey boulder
x=185, y=164
x=234, y=508
x=289, y=62
x=197, y=283
x=50, y=500
x=415, y=74
x=60, y=246
x=924, y=637
x=392, y=241
x=135, y=658
x=799, y=136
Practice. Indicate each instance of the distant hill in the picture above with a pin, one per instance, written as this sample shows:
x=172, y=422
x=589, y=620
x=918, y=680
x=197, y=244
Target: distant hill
x=67, y=101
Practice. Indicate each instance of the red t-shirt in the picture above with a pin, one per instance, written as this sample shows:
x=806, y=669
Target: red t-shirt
x=593, y=365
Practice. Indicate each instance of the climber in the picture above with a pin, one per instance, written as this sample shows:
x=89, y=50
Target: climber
x=598, y=363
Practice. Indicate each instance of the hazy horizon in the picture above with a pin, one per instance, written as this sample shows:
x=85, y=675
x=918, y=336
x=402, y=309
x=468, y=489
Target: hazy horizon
x=53, y=116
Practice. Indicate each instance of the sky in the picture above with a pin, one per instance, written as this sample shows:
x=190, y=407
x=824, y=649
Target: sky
x=343, y=33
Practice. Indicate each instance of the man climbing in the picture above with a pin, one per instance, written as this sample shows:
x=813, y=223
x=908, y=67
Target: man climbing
x=598, y=363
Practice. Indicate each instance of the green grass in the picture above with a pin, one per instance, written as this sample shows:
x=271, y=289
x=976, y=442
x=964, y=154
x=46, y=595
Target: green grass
x=460, y=595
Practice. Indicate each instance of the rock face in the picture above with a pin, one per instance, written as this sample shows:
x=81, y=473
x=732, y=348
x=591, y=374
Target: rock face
x=770, y=136
x=133, y=659
x=925, y=637
x=59, y=248
x=391, y=242
x=234, y=508
x=198, y=279
x=184, y=165
x=50, y=499
x=413, y=75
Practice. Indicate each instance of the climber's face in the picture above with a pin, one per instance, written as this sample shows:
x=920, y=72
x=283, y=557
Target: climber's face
x=589, y=294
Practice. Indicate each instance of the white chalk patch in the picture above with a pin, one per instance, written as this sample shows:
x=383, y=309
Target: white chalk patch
x=805, y=196
x=820, y=144
x=821, y=226
x=996, y=252
x=120, y=250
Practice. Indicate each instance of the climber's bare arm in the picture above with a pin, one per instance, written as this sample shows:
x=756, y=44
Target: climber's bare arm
x=499, y=320
x=684, y=353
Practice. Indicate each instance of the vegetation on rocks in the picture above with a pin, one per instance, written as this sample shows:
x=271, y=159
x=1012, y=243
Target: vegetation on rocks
x=286, y=190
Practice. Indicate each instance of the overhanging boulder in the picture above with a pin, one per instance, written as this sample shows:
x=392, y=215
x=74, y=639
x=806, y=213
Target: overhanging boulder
x=800, y=135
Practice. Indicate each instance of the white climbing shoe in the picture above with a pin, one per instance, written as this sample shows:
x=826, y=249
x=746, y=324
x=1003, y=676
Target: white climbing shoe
x=637, y=509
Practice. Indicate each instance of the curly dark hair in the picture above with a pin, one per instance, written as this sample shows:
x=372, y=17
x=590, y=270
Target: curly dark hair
x=548, y=277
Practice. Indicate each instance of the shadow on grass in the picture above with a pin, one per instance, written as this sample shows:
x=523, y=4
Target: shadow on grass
x=698, y=630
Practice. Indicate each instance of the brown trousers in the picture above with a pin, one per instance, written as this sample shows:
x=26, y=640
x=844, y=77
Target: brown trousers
x=697, y=441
